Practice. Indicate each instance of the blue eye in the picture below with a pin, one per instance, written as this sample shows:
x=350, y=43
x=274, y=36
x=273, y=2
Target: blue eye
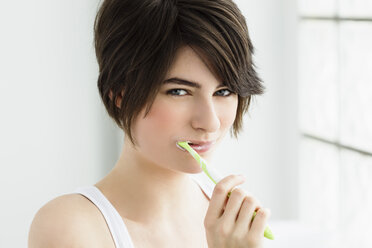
x=225, y=92
x=175, y=92
x=178, y=92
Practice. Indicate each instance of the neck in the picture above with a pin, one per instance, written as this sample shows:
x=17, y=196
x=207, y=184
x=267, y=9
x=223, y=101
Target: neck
x=147, y=193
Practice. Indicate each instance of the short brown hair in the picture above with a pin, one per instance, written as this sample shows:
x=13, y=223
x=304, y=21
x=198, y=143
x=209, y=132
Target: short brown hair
x=136, y=42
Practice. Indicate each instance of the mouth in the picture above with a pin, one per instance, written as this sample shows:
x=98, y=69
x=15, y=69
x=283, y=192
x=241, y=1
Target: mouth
x=198, y=146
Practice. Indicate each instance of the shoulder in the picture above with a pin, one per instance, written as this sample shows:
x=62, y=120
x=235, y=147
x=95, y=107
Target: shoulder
x=69, y=220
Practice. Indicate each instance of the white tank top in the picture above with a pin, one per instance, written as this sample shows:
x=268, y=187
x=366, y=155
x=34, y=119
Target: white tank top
x=119, y=231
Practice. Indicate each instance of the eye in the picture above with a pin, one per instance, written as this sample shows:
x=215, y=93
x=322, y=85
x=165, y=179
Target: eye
x=224, y=92
x=176, y=92
x=182, y=92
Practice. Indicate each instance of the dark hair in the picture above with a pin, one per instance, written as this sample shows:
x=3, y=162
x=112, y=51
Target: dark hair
x=136, y=42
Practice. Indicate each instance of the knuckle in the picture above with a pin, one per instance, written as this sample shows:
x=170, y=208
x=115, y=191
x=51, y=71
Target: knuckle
x=208, y=224
x=235, y=176
x=263, y=213
x=239, y=193
x=224, y=230
x=236, y=236
x=250, y=200
x=223, y=186
x=251, y=241
x=220, y=189
x=231, y=177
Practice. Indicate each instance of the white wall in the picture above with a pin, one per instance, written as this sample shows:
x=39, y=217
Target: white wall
x=55, y=134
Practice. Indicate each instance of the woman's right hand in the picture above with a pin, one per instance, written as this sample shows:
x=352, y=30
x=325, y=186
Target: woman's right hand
x=228, y=222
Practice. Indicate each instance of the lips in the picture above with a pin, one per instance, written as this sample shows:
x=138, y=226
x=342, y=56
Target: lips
x=199, y=146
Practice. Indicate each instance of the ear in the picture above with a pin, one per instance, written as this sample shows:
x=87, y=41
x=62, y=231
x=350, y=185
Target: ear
x=118, y=99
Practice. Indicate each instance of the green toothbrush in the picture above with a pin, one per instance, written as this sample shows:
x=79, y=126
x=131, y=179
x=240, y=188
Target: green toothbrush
x=215, y=178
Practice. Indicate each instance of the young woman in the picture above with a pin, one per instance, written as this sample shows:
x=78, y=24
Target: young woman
x=169, y=71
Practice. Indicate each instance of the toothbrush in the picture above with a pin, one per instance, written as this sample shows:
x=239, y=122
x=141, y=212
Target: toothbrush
x=216, y=178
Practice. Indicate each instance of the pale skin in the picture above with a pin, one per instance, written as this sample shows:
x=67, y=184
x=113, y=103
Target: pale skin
x=149, y=186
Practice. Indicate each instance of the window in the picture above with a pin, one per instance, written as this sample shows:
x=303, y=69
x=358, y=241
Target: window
x=335, y=96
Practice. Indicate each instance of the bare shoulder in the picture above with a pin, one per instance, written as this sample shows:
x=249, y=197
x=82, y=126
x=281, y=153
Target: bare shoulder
x=69, y=220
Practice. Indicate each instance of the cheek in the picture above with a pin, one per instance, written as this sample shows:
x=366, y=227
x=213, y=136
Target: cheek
x=162, y=121
x=155, y=132
x=164, y=115
x=229, y=113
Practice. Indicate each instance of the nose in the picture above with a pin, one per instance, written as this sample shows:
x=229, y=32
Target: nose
x=205, y=116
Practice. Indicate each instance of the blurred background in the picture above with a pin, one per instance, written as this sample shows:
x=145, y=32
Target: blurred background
x=306, y=148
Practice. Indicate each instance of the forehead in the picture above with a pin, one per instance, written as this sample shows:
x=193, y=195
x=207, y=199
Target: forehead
x=182, y=81
x=191, y=68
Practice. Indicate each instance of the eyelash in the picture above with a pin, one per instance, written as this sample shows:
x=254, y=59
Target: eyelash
x=169, y=92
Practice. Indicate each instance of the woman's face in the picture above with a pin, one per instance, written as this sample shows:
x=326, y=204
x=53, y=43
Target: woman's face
x=185, y=113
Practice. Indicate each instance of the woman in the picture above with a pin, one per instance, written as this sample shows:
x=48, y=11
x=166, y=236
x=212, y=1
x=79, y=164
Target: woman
x=169, y=71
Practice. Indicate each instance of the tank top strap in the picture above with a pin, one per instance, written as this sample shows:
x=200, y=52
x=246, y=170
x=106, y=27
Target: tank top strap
x=118, y=230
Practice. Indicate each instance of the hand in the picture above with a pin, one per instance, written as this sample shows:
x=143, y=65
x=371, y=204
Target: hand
x=228, y=222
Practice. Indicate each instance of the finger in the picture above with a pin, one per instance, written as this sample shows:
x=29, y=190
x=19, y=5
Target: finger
x=233, y=205
x=219, y=195
x=244, y=219
x=259, y=223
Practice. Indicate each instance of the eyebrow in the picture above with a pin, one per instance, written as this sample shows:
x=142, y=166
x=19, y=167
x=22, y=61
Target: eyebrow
x=182, y=81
